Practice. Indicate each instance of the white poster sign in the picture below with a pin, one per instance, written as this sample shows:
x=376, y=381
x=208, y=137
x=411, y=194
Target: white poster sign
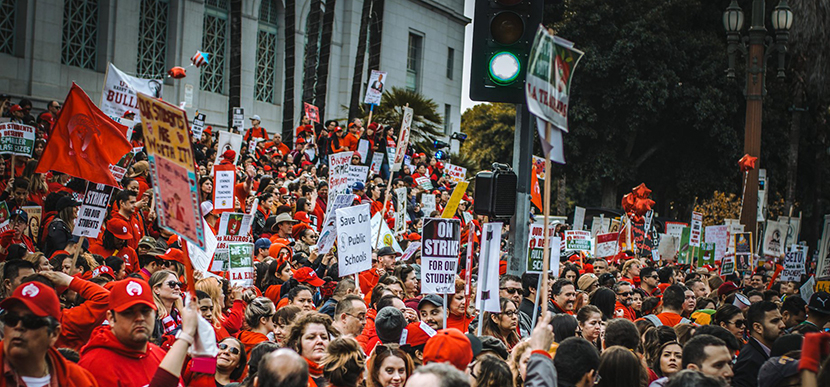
x=339, y=173
x=487, y=291
x=93, y=210
x=774, y=234
x=119, y=93
x=697, y=229
x=579, y=217
x=439, y=255
x=354, y=250
x=823, y=267
x=457, y=174
x=223, y=189
x=238, y=117
x=386, y=236
x=427, y=204
x=719, y=235
x=329, y=232
x=357, y=173
x=228, y=140
x=793, y=266
x=376, y=82
x=377, y=160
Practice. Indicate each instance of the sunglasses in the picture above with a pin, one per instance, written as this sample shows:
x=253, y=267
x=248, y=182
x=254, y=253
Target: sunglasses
x=174, y=284
x=233, y=350
x=30, y=321
x=625, y=293
x=739, y=323
x=511, y=290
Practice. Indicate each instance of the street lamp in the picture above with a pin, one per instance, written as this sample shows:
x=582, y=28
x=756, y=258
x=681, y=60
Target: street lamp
x=757, y=47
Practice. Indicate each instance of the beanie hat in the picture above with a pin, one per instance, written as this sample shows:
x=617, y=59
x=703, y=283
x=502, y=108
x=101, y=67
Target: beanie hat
x=389, y=324
x=229, y=155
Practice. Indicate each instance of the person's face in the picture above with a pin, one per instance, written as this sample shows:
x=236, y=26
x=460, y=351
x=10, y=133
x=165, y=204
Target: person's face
x=689, y=303
x=651, y=280
x=323, y=192
x=314, y=341
x=634, y=269
x=13, y=283
x=718, y=363
x=54, y=108
x=570, y=275
x=772, y=326
x=43, y=264
x=511, y=290
x=508, y=319
x=285, y=227
x=20, y=194
x=757, y=282
x=129, y=205
x=412, y=284
x=432, y=315
x=457, y=304
x=670, y=359
x=392, y=372
x=169, y=290
x=387, y=262
x=397, y=290
x=206, y=308
x=736, y=325
x=280, y=331
x=286, y=273
x=679, y=277
x=787, y=288
x=636, y=301
x=229, y=352
x=207, y=186
x=592, y=327
x=600, y=266
x=330, y=127
x=304, y=300
x=356, y=320
x=791, y=320
x=66, y=266
x=39, y=149
x=624, y=295
x=19, y=226
x=134, y=326
x=699, y=288
x=755, y=299
x=566, y=297
x=22, y=343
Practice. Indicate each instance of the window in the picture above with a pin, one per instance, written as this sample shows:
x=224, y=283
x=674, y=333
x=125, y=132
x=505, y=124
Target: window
x=450, y=62
x=214, y=31
x=447, y=117
x=266, y=56
x=152, y=38
x=80, y=33
x=413, y=62
x=7, y=26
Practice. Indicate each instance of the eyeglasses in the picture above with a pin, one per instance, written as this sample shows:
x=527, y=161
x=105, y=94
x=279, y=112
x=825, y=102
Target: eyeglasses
x=738, y=323
x=233, y=350
x=653, y=276
x=360, y=317
x=511, y=290
x=625, y=293
x=472, y=368
x=30, y=321
x=510, y=313
x=174, y=284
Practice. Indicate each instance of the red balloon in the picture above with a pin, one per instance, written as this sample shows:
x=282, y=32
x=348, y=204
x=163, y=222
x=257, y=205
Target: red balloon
x=177, y=72
x=628, y=202
x=641, y=191
x=747, y=163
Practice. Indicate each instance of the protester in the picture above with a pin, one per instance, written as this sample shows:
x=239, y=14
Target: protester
x=310, y=336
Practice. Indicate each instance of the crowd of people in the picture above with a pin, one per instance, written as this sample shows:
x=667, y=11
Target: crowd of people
x=118, y=310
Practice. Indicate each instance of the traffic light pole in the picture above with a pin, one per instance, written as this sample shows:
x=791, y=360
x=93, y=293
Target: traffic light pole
x=522, y=164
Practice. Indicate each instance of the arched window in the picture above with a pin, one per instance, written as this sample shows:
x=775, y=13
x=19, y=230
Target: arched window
x=214, y=42
x=80, y=33
x=152, y=38
x=7, y=25
x=266, y=57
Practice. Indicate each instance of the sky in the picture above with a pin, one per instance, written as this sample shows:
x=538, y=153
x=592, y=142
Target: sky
x=466, y=102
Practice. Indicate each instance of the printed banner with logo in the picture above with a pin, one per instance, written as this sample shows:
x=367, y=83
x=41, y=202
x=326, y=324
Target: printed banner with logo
x=120, y=92
x=578, y=240
x=439, y=255
x=241, y=264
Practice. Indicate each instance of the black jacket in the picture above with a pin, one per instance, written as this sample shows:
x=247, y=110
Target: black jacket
x=749, y=362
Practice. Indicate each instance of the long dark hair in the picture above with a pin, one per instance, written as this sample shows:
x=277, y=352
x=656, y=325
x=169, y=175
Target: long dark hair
x=619, y=367
x=243, y=359
x=604, y=299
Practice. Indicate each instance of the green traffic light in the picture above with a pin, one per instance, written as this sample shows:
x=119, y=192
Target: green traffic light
x=504, y=67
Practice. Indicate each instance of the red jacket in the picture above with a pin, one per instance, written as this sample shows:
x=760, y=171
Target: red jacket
x=369, y=332
x=78, y=323
x=234, y=317
x=113, y=364
x=64, y=372
x=622, y=311
x=368, y=280
x=251, y=339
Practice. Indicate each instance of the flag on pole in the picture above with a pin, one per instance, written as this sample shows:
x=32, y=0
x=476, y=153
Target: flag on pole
x=199, y=58
x=535, y=195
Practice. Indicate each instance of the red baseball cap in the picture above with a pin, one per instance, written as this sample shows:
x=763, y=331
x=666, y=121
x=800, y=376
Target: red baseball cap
x=417, y=333
x=307, y=275
x=120, y=228
x=101, y=270
x=37, y=297
x=171, y=254
x=126, y=293
x=449, y=346
x=727, y=287
x=15, y=108
x=302, y=216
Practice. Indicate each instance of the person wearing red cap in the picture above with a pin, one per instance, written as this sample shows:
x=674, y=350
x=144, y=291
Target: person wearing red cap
x=114, y=242
x=78, y=322
x=121, y=354
x=385, y=264
x=336, y=141
x=449, y=346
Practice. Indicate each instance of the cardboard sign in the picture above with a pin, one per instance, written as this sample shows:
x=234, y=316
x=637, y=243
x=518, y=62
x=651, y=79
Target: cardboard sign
x=238, y=118
x=439, y=255
x=487, y=291
x=354, y=249
x=793, y=266
x=579, y=217
x=742, y=243
x=35, y=214
x=427, y=204
x=668, y=247
x=375, y=89
x=119, y=169
x=607, y=244
x=93, y=210
x=201, y=258
x=228, y=141
x=424, y=182
x=377, y=161
x=312, y=112
x=457, y=174
x=536, y=248
x=198, y=126
x=241, y=264
x=339, y=173
x=357, y=173
x=170, y=152
x=120, y=92
x=16, y=139
x=719, y=236
x=696, y=229
x=452, y=205
x=793, y=228
x=403, y=138
x=578, y=240
x=808, y=288
x=224, y=181
x=386, y=236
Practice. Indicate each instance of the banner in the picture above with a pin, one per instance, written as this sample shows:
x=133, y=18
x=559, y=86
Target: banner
x=403, y=138
x=793, y=266
x=228, y=141
x=457, y=174
x=375, y=89
x=411, y=249
x=386, y=236
x=696, y=230
x=238, y=120
x=93, y=210
x=224, y=181
x=774, y=234
x=536, y=248
x=198, y=126
x=119, y=169
x=201, y=259
x=312, y=112
x=424, y=182
x=607, y=245
x=487, y=291
x=16, y=139
x=357, y=173
x=793, y=228
x=675, y=228
x=685, y=252
x=706, y=255
x=170, y=152
x=328, y=235
x=668, y=247
x=241, y=268
x=339, y=173
x=439, y=255
x=719, y=236
x=427, y=204
x=728, y=266
x=823, y=264
x=452, y=205
x=120, y=92
x=578, y=240
x=354, y=249
x=363, y=149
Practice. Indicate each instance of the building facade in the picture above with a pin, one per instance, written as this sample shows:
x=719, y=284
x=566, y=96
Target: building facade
x=45, y=45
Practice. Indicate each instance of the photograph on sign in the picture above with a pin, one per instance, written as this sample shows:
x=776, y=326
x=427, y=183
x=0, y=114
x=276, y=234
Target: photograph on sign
x=375, y=89
x=228, y=141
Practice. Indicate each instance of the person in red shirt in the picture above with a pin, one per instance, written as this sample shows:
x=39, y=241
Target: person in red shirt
x=337, y=143
x=31, y=326
x=259, y=317
x=386, y=264
x=114, y=243
x=256, y=132
x=121, y=353
x=623, y=309
x=127, y=212
x=19, y=221
x=140, y=172
x=673, y=298
x=283, y=149
x=355, y=131
x=77, y=323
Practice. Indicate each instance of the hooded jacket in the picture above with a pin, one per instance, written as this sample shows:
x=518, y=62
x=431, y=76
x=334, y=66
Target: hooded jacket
x=114, y=364
x=78, y=323
x=250, y=339
x=67, y=373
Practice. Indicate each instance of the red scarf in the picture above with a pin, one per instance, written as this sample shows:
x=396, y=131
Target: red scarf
x=314, y=369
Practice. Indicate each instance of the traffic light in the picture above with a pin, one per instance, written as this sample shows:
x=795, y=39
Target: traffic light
x=503, y=32
x=438, y=144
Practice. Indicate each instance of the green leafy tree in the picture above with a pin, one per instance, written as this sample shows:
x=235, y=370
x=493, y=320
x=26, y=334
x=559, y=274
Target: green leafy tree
x=490, y=129
x=426, y=123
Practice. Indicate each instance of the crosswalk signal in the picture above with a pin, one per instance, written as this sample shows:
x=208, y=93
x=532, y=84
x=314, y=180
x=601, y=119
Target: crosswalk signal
x=503, y=32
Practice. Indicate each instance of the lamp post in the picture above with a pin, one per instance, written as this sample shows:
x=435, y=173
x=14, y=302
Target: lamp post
x=757, y=47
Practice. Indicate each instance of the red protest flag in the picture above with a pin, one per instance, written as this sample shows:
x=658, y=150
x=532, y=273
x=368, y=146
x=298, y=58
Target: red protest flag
x=84, y=141
x=535, y=195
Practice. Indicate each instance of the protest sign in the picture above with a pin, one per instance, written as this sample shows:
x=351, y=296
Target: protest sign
x=375, y=89
x=228, y=141
x=377, y=161
x=668, y=247
x=487, y=291
x=536, y=247
x=452, y=205
x=793, y=228
x=743, y=251
x=201, y=259
x=607, y=244
x=386, y=238
x=774, y=234
x=428, y=204
x=339, y=173
x=685, y=252
x=238, y=120
x=16, y=139
x=457, y=174
x=793, y=266
x=579, y=218
x=578, y=240
x=354, y=249
x=390, y=155
x=727, y=266
x=644, y=241
x=424, y=182
x=224, y=178
x=411, y=249
x=312, y=112
x=220, y=261
x=357, y=173
x=439, y=255
x=363, y=149
x=696, y=229
x=675, y=228
x=93, y=210
x=807, y=290
x=4, y=212
x=120, y=92
x=823, y=264
x=119, y=169
x=35, y=214
x=706, y=255
x=400, y=211
x=328, y=234
x=719, y=236
x=241, y=264
x=198, y=126
x=403, y=138
x=170, y=152
x=735, y=227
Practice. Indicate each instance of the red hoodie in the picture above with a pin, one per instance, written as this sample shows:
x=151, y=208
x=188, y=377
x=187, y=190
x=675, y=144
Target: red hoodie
x=77, y=323
x=113, y=364
x=250, y=339
x=64, y=373
x=369, y=331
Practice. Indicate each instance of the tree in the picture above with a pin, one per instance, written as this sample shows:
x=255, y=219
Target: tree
x=323, y=63
x=357, y=77
x=426, y=122
x=490, y=129
x=288, y=93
